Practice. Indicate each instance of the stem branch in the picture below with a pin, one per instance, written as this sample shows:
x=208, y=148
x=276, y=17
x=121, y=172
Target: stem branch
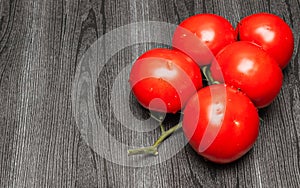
x=207, y=75
x=152, y=150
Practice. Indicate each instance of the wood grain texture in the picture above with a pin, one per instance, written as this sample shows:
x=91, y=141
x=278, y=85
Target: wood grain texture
x=41, y=44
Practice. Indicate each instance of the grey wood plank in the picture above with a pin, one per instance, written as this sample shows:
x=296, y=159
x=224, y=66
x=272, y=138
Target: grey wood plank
x=41, y=140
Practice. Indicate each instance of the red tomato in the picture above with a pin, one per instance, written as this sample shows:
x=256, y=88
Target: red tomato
x=202, y=36
x=270, y=32
x=246, y=66
x=221, y=123
x=163, y=79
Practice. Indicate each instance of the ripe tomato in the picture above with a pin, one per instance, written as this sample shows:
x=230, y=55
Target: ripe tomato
x=163, y=79
x=221, y=123
x=202, y=36
x=270, y=32
x=246, y=66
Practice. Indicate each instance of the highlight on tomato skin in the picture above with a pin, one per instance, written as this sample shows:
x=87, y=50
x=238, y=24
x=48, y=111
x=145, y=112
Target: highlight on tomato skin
x=248, y=67
x=221, y=123
x=164, y=79
x=271, y=32
x=202, y=36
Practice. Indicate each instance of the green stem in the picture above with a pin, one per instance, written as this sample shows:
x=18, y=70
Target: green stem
x=261, y=120
x=207, y=75
x=167, y=133
x=162, y=129
x=145, y=150
x=158, y=119
x=152, y=150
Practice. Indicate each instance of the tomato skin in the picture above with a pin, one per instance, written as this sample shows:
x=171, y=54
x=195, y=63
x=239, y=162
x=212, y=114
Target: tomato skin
x=226, y=124
x=270, y=32
x=168, y=75
x=202, y=36
x=246, y=66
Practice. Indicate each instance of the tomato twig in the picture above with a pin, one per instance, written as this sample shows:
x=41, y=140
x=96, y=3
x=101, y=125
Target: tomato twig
x=207, y=75
x=156, y=118
x=162, y=129
x=152, y=150
x=261, y=120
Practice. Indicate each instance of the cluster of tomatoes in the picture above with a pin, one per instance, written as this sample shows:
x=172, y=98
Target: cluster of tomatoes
x=242, y=70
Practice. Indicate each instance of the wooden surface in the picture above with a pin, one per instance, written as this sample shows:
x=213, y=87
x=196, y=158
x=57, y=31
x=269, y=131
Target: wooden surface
x=42, y=42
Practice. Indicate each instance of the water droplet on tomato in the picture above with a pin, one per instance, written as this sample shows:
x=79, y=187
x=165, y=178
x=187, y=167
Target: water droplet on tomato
x=236, y=123
x=182, y=36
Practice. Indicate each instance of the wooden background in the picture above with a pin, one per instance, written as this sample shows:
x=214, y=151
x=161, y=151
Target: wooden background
x=41, y=43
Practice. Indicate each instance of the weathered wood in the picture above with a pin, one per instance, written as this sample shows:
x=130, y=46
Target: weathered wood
x=42, y=43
